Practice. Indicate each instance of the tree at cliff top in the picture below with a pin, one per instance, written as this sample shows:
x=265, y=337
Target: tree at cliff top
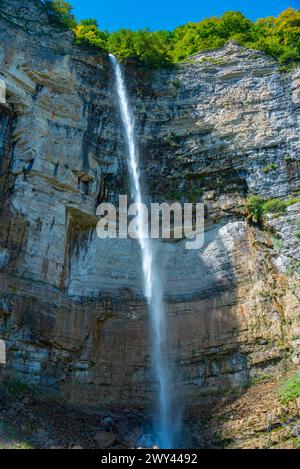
x=278, y=37
x=151, y=48
x=209, y=33
x=60, y=13
x=88, y=33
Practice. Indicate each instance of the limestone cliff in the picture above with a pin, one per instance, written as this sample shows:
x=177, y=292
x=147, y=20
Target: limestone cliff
x=219, y=127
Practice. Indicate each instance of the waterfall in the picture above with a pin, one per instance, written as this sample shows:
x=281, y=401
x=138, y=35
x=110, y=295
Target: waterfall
x=152, y=285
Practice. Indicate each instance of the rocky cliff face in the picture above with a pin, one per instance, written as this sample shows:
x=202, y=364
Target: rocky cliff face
x=71, y=307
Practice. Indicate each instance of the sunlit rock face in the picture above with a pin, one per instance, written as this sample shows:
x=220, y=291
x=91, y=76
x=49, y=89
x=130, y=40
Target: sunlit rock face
x=71, y=305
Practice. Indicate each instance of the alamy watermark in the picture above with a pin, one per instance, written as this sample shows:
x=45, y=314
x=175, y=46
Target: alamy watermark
x=2, y=92
x=162, y=221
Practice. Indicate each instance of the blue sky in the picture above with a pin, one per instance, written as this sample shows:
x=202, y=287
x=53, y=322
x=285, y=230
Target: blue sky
x=167, y=14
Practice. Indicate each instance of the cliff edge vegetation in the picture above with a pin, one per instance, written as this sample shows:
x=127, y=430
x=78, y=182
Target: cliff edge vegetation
x=279, y=37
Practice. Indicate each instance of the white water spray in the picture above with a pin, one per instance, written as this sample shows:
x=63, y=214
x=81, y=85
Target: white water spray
x=152, y=285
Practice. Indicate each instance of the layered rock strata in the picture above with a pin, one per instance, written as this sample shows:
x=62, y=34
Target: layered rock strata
x=217, y=128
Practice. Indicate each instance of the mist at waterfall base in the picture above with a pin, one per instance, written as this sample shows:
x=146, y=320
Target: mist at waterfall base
x=166, y=425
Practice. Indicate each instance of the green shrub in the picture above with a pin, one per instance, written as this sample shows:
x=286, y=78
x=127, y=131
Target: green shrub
x=278, y=243
x=88, y=33
x=258, y=379
x=297, y=234
x=194, y=195
x=274, y=206
x=269, y=167
x=291, y=389
x=60, y=12
x=254, y=208
x=257, y=208
x=294, y=200
x=148, y=47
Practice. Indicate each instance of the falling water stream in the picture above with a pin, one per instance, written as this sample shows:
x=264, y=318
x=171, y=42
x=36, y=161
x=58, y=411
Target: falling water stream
x=152, y=285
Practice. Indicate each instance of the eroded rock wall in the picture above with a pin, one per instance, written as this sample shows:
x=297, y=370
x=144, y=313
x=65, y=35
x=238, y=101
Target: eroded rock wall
x=71, y=305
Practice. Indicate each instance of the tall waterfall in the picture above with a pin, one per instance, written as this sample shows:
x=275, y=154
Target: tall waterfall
x=152, y=285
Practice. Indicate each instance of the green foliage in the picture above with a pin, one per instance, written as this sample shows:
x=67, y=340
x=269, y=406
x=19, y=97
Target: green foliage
x=294, y=200
x=278, y=37
x=60, y=13
x=278, y=243
x=291, y=388
x=148, y=47
x=274, y=206
x=194, y=37
x=297, y=234
x=254, y=208
x=88, y=33
x=269, y=167
x=194, y=195
x=259, y=379
x=174, y=195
